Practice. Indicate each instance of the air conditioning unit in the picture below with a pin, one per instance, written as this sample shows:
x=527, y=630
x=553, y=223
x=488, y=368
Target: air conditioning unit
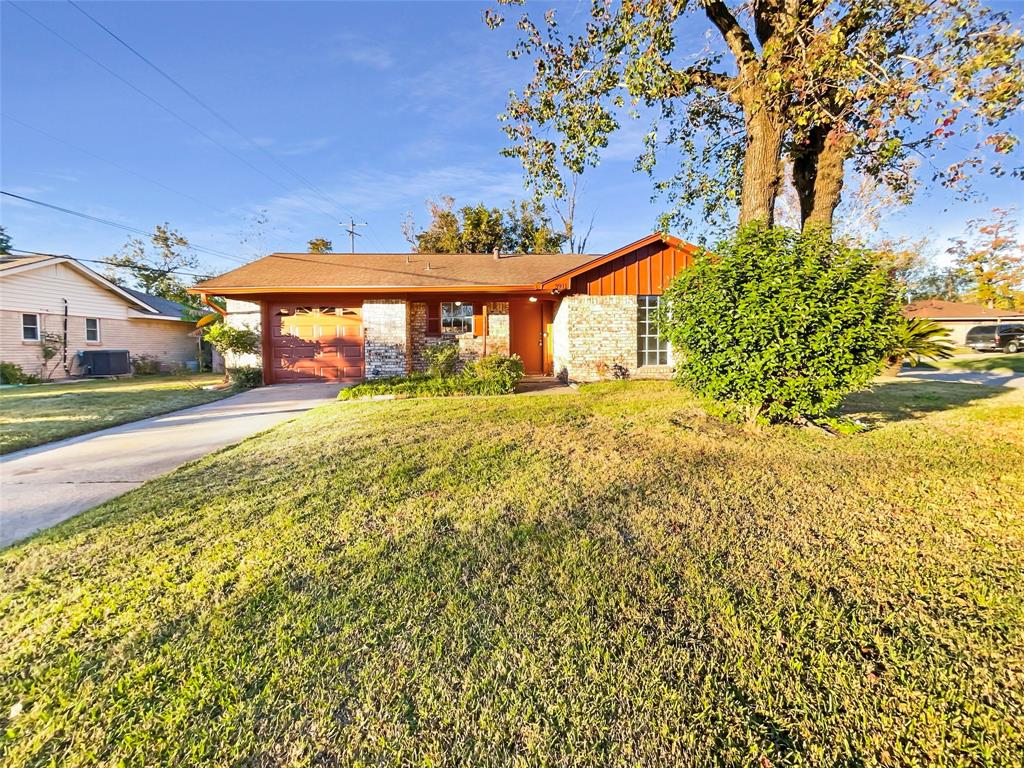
x=105, y=362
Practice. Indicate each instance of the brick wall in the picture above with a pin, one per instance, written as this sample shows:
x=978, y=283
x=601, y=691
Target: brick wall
x=470, y=347
x=593, y=334
x=166, y=340
x=386, y=332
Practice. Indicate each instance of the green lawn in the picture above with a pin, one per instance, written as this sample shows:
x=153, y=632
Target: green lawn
x=42, y=413
x=991, y=362
x=612, y=578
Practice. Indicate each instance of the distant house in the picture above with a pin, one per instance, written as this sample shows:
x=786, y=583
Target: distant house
x=959, y=317
x=61, y=302
x=349, y=317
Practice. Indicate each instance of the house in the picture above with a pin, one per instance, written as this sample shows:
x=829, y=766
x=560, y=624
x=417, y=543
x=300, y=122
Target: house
x=959, y=317
x=58, y=302
x=349, y=317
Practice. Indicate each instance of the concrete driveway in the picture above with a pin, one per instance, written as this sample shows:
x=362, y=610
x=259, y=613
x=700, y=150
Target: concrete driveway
x=41, y=486
x=987, y=378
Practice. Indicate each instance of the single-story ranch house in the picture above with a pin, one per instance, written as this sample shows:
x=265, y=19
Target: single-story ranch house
x=59, y=301
x=959, y=317
x=349, y=317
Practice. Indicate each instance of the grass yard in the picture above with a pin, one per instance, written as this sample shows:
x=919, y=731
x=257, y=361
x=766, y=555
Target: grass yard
x=612, y=578
x=41, y=413
x=988, y=362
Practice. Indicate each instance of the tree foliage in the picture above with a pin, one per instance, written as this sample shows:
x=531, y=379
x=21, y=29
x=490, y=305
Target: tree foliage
x=229, y=340
x=919, y=338
x=156, y=268
x=523, y=227
x=780, y=325
x=5, y=241
x=991, y=261
x=880, y=85
x=320, y=245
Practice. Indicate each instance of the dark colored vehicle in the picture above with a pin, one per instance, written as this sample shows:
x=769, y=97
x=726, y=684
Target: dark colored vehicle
x=1001, y=337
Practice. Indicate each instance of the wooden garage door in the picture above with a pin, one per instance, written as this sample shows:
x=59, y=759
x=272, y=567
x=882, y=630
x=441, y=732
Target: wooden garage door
x=316, y=343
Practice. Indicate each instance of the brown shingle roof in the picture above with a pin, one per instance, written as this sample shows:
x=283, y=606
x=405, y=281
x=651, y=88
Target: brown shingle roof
x=394, y=271
x=955, y=310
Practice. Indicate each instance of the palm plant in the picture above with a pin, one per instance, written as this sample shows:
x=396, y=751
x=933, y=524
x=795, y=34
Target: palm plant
x=917, y=339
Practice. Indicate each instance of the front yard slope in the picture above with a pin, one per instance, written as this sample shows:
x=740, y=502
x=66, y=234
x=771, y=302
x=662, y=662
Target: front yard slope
x=606, y=579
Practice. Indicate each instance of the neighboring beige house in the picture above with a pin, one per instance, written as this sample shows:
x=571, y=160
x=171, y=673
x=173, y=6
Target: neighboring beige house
x=959, y=317
x=37, y=295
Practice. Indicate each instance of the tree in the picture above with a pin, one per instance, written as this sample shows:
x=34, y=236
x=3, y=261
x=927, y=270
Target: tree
x=992, y=259
x=155, y=269
x=779, y=325
x=5, y=241
x=916, y=339
x=523, y=227
x=565, y=209
x=865, y=81
x=320, y=245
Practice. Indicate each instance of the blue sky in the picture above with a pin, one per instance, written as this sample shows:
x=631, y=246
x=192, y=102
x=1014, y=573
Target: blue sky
x=379, y=105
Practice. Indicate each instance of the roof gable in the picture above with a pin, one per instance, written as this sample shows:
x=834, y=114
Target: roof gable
x=12, y=265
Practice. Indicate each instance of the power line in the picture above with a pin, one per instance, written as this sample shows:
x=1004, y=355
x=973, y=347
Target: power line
x=351, y=232
x=108, y=264
x=117, y=165
x=110, y=223
x=158, y=103
x=280, y=163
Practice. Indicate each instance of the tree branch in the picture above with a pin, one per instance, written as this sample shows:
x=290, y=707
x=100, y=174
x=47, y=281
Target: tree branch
x=734, y=35
x=684, y=78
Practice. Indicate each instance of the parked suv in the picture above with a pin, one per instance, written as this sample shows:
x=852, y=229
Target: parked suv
x=1004, y=337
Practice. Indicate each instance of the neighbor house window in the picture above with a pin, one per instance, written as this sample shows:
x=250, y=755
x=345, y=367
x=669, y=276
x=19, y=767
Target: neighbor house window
x=30, y=327
x=456, y=317
x=92, y=329
x=651, y=348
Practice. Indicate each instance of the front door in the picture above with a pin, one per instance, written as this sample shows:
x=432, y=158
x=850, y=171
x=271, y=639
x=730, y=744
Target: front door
x=526, y=334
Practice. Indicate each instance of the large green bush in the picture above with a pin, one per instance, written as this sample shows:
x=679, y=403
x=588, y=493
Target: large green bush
x=777, y=325
x=442, y=359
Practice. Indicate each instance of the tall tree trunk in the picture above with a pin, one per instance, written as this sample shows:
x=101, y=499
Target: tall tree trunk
x=762, y=168
x=818, y=175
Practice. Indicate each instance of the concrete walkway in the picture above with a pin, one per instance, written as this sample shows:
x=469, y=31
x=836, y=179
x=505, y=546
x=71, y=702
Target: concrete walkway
x=41, y=486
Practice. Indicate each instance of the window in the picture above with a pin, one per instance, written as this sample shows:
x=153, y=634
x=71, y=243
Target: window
x=92, y=329
x=456, y=317
x=651, y=348
x=30, y=327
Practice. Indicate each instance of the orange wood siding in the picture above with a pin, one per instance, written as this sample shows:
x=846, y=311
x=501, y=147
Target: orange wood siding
x=647, y=270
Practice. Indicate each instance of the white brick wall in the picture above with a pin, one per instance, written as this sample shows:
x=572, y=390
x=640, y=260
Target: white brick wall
x=593, y=334
x=386, y=338
x=244, y=314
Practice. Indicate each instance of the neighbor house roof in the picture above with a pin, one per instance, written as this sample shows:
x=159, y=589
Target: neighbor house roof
x=165, y=307
x=956, y=310
x=367, y=271
x=158, y=308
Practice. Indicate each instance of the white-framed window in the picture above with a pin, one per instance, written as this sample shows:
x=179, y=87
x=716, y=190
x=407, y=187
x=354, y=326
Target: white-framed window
x=456, y=317
x=30, y=327
x=651, y=349
x=92, y=329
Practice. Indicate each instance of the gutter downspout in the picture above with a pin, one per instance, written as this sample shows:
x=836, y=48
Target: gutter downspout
x=205, y=298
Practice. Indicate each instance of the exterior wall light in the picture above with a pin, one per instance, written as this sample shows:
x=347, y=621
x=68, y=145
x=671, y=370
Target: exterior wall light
x=533, y=298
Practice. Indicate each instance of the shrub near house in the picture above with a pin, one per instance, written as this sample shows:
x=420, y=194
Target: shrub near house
x=779, y=326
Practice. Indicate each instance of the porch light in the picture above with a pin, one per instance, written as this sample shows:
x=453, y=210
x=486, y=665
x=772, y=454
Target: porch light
x=533, y=299
x=458, y=303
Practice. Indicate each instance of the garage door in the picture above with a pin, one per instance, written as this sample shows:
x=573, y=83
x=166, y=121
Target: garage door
x=316, y=343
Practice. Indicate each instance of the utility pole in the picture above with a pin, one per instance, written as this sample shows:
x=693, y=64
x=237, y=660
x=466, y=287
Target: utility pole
x=351, y=232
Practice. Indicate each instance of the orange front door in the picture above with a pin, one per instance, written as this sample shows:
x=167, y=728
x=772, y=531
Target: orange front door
x=315, y=343
x=526, y=334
